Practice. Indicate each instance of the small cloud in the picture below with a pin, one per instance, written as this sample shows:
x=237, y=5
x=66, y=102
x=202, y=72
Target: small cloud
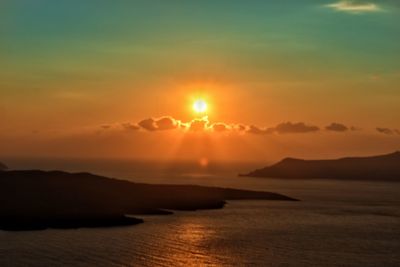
x=130, y=126
x=167, y=123
x=219, y=127
x=239, y=127
x=354, y=6
x=160, y=124
x=337, y=127
x=185, y=125
x=148, y=124
x=199, y=124
x=386, y=131
x=257, y=130
x=299, y=127
x=106, y=126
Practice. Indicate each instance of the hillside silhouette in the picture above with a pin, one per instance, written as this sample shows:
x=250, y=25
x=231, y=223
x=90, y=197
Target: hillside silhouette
x=38, y=199
x=377, y=168
x=3, y=167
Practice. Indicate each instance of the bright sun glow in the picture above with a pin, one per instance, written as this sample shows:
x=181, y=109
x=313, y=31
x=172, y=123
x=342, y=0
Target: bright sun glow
x=200, y=106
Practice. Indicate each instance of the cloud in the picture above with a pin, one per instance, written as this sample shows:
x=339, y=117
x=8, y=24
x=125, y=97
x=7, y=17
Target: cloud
x=106, y=126
x=199, y=124
x=148, y=124
x=167, y=123
x=337, y=127
x=299, y=127
x=352, y=6
x=204, y=125
x=387, y=131
x=257, y=130
x=160, y=124
x=239, y=127
x=130, y=126
x=220, y=127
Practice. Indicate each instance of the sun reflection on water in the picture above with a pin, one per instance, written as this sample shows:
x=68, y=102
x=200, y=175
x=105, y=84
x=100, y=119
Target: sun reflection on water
x=192, y=245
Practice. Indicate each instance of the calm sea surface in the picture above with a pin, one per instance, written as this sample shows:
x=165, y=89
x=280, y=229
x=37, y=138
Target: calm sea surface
x=336, y=224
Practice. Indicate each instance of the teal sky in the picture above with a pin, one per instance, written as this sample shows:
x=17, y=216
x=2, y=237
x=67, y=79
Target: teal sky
x=70, y=64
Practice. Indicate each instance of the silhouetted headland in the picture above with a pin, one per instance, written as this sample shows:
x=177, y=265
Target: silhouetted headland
x=38, y=200
x=3, y=167
x=377, y=168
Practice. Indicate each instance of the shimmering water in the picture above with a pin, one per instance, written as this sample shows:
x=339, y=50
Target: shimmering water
x=335, y=224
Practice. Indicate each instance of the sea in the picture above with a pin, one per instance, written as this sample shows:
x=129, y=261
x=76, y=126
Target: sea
x=335, y=223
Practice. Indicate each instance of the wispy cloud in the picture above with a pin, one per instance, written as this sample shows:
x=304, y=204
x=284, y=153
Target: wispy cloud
x=337, y=127
x=130, y=126
x=252, y=129
x=220, y=127
x=354, y=6
x=387, y=131
x=298, y=127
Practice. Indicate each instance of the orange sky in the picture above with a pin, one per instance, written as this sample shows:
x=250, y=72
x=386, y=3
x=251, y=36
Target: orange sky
x=80, y=80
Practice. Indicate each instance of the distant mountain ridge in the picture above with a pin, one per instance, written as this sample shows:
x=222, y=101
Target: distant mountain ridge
x=381, y=168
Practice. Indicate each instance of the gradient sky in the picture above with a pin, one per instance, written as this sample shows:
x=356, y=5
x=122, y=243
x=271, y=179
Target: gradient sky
x=72, y=72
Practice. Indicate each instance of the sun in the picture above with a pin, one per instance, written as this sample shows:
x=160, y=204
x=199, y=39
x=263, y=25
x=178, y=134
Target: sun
x=200, y=106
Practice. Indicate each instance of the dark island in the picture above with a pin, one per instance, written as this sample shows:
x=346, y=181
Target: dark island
x=32, y=200
x=377, y=168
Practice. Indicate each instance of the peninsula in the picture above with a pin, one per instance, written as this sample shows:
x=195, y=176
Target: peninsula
x=32, y=200
x=3, y=167
x=378, y=168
